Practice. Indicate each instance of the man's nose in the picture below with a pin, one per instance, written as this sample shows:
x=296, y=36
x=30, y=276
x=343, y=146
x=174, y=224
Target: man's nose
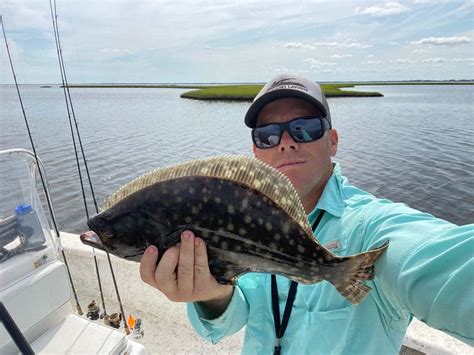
x=287, y=143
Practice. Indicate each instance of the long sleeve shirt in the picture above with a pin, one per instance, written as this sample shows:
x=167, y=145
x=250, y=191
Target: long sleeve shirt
x=427, y=272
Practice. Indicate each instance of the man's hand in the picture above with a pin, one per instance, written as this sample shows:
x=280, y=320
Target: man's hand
x=183, y=274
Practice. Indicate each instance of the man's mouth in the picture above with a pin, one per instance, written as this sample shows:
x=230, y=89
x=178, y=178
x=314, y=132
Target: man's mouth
x=290, y=164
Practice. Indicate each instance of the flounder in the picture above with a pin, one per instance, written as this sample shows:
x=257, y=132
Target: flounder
x=248, y=213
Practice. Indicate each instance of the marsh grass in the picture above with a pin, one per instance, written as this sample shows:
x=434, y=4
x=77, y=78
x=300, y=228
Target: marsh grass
x=248, y=92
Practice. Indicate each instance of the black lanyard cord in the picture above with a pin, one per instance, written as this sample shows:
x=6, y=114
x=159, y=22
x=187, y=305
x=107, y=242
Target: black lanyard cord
x=280, y=328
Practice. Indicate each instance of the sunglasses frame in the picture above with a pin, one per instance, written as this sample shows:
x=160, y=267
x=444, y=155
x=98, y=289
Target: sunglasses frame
x=285, y=127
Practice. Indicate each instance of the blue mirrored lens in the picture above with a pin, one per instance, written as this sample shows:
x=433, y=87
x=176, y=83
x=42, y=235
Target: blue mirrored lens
x=267, y=136
x=306, y=130
x=303, y=129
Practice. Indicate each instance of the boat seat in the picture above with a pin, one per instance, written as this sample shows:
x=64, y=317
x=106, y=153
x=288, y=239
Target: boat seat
x=77, y=335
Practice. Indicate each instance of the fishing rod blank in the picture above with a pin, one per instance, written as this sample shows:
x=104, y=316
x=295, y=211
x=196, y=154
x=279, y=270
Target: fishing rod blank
x=66, y=86
x=70, y=112
x=48, y=199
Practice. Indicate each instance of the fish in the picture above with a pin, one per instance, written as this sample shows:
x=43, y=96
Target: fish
x=248, y=213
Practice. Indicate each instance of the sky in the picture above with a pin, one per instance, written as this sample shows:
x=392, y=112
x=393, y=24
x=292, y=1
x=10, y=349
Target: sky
x=152, y=41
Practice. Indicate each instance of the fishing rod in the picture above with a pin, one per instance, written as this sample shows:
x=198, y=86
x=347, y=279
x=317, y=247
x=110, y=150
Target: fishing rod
x=72, y=115
x=43, y=182
x=70, y=111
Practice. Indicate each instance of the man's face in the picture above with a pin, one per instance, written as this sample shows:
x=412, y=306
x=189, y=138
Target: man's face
x=307, y=165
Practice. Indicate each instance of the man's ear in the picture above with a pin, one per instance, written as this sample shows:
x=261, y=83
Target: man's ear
x=334, y=140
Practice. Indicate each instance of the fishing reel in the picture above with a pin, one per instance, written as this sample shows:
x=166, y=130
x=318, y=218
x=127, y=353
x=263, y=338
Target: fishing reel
x=93, y=311
x=113, y=320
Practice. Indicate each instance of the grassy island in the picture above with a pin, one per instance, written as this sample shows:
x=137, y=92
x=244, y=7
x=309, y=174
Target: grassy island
x=248, y=92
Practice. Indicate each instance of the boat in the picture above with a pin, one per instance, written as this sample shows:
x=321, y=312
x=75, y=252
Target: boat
x=35, y=291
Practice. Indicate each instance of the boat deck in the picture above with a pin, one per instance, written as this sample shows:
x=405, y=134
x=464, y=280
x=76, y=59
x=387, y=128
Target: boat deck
x=165, y=323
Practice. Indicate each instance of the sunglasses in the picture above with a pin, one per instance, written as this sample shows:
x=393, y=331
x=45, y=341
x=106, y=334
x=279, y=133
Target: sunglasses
x=301, y=129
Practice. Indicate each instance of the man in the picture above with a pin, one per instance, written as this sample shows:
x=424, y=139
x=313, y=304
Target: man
x=426, y=272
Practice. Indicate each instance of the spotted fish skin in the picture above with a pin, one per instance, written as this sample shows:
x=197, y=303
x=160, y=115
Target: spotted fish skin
x=244, y=231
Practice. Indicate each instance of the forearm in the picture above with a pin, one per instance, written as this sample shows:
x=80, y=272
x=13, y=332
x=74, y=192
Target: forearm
x=431, y=277
x=214, y=308
x=228, y=322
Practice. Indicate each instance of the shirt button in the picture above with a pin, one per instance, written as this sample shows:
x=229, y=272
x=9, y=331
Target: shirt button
x=282, y=296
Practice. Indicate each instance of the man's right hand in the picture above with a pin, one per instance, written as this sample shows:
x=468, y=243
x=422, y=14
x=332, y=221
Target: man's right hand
x=183, y=274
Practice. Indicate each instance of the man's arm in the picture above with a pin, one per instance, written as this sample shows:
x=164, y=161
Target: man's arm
x=183, y=275
x=428, y=269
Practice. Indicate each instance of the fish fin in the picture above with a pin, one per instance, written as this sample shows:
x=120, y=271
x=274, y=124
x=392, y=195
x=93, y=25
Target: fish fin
x=249, y=172
x=353, y=270
x=227, y=274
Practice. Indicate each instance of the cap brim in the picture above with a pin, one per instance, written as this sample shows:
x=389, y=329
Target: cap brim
x=253, y=111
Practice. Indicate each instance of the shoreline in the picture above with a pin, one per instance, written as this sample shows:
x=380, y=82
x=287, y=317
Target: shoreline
x=247, y=92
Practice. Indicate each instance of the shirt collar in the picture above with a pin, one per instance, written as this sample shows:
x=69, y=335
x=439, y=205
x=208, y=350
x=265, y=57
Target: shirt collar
x=331, y=199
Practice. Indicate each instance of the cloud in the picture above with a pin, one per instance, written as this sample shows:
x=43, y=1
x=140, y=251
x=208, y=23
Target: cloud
x=114, y=51
x=374, y=62
x=393, y=43
x=418, y=51
x=281, y=70
x=387, y=9
x=434, y=60
x=314, y=63
x=298, y=45
x=463, y=59
x=403, y=61
x=340, y=56
x=370, y=56
x=442, y=41
x=347, y=44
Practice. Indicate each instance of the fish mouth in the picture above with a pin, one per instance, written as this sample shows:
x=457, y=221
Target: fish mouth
x=92, y=239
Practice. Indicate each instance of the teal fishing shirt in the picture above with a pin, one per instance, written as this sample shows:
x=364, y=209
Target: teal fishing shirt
x=427, y=272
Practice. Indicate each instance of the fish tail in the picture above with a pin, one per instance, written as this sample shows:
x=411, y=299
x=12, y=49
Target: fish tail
x=355, y=269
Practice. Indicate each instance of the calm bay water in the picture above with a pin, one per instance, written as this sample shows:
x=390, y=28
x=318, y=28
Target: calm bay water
x=415, y=145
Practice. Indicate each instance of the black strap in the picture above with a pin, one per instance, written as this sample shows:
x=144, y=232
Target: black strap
x=280, y=328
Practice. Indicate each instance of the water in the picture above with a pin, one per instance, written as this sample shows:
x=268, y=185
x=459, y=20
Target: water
x=415, y=145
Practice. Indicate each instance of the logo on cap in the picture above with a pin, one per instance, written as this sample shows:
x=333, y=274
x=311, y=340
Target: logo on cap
x=287, y=84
